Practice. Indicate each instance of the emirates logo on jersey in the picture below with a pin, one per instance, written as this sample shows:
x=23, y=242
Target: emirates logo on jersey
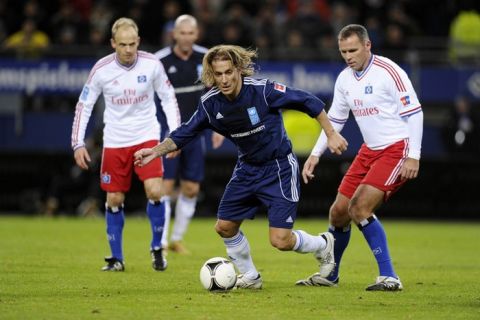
x=365, y=112
x=360, y=111
x=130, y=97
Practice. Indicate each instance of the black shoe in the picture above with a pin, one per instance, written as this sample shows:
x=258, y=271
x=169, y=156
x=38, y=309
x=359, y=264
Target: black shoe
x=113, y=264
x=159, y=262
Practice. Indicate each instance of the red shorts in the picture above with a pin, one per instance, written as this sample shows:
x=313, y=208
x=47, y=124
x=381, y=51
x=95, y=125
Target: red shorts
x=378, y=168
x=117, y=167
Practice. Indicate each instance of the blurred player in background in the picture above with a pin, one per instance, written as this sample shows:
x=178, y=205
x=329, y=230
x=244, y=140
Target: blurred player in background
x=183, y=64
x=248, y=112
x=127, y=79
x=388, y=113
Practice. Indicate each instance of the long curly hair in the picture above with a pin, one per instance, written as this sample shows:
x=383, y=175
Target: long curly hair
x=241, y=58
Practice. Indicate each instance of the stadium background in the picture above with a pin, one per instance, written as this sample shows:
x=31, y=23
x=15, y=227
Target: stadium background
x=437, y=42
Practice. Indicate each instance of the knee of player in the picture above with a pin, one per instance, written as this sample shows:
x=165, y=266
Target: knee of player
x=282, y=244
x=338, y=215
x=224, y=231
x=357, y=210
x=190, y=193
x=153, y=193
x=168, y=186
x=115, y=199
x=191, y=189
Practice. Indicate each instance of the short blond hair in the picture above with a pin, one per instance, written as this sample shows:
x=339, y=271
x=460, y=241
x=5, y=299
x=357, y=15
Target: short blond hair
x=121, y=23
x=186, y=18
x=241, y=59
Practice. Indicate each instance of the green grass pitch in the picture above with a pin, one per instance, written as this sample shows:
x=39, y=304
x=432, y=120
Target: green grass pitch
x=49, y=269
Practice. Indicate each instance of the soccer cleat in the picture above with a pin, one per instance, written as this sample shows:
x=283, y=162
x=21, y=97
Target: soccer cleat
x=317, y=280
x=384, y=283
x=325, y=257
x=159, y=262
x=178, y=247
x=245, y=283
x=113, y=264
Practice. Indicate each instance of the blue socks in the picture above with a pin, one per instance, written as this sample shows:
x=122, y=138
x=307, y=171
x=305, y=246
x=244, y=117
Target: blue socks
x=375, y=235
x=342, y=237
x=156, y=215
x=115, y=219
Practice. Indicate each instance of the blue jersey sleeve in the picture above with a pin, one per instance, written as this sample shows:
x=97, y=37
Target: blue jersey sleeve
x=280, y=96
x=187, y=131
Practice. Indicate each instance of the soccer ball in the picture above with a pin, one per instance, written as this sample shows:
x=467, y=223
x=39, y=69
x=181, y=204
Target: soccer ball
x=218, y=274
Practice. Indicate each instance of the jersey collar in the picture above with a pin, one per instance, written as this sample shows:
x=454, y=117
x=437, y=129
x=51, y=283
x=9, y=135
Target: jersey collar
x=360, y=74
x=130, y=67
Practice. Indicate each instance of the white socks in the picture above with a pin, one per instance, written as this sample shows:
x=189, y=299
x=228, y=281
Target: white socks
x=238, y=250
x=307, y=243
x=184, y=211
x=168, y=213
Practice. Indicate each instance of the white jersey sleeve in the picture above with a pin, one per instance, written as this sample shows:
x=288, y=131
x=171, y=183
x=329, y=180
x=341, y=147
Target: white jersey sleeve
x=407, y=101
x=166, y=93
x=83, y=110
x=409, y=109
x=415, y=130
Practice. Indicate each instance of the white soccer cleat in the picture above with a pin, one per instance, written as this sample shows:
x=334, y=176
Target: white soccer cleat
x=384, y=283
x=325, y=257
x=245, y=283
x=315, y=280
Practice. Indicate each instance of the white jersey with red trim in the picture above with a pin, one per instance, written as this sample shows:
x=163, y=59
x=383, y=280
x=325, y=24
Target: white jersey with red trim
x=378, y=97
x=130, y=112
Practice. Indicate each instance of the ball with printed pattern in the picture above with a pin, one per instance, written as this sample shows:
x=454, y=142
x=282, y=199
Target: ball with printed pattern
x=218, y=274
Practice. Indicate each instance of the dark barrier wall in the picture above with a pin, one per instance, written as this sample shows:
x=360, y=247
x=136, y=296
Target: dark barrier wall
x=67, y=76
x=443, y=190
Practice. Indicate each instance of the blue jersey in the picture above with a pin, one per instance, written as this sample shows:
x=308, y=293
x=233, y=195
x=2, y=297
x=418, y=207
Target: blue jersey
x=185, y=77
x=253, y=121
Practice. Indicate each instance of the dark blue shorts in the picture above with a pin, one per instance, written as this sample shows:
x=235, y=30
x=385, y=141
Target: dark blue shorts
x=190, y=164
x=275, y=185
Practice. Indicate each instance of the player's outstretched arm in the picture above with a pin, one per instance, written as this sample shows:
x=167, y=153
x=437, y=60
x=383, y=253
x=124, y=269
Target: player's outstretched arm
x=309, y=167
x=144, y=156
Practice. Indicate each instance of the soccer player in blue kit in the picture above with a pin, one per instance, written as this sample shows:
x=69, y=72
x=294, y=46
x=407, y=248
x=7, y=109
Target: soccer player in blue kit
x=247, y=111
x=183, y=65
